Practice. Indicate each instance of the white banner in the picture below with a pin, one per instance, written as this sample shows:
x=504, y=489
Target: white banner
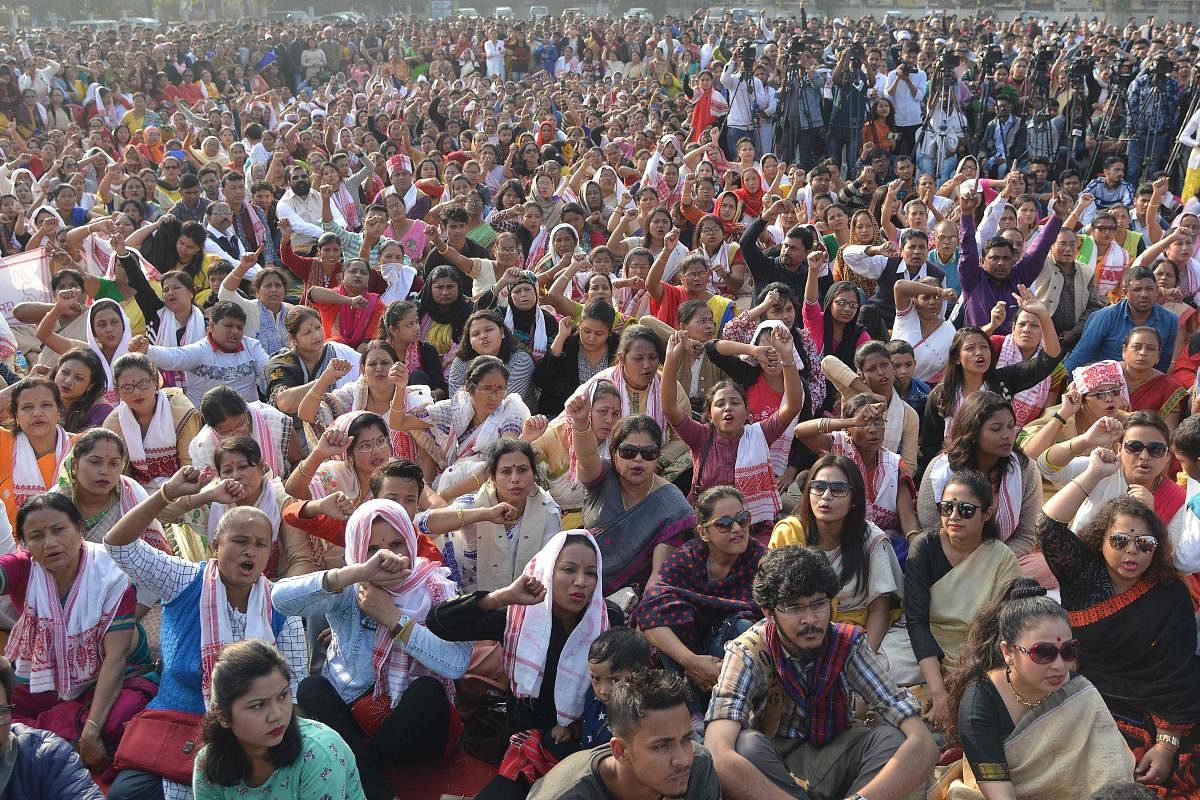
x=24, y=278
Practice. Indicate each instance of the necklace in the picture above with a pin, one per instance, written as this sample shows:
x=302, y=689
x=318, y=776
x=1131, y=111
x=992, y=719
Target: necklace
x=1013, y=689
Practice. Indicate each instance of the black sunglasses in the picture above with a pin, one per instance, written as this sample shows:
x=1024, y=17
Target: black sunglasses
x=631, y=451
x=726, y=522
x=1145, y=542
x=965, y=510
x=836, y=488
x=1154, y=449
x=1045, y=653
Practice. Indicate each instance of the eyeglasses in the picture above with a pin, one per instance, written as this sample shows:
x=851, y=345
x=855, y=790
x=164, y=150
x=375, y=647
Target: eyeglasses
x=965, y=510
x=375, y=444
x=648, y=452
x=1046, y=653
x=1145, y=543
x=849, y=305
x=797, y=609
x=130, y=388
x=493, y=391
x=1153, y=449
x=836, y=488
x=1107, y=394
x=725, y=523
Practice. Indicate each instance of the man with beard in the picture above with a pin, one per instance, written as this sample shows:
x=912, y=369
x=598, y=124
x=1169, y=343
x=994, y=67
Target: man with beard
x=301, y=207
x=781, y=706
x=651, y=754
x=790, y=265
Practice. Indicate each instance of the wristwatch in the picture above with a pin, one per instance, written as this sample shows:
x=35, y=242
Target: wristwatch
x=400, y=627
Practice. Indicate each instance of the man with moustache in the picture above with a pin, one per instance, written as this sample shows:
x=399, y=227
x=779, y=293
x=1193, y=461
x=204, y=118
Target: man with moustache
x=781, y=706
x=652, y=753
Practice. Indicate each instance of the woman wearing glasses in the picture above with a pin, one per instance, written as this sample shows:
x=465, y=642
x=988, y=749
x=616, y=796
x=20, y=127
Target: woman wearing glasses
x=833, y=326
x=832, y=515
x=952, y=572
x=1014, y=698
x=1133, y=618
x=1096, y=391
x=1144, y=474
x=703, y=596
x=636, y=515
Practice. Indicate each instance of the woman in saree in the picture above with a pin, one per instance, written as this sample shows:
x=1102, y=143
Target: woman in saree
x=920, y=321
x=832, y=326
x=638, y=516
x=443, y=310
x=873, y=373
x=394, y=665
x=227, y=416
x=1096, y=391
x=76, y=649
x=400, y=326
x=292, y=372
x=1020, y=345
x=952, y=572
x=864, y=230
x=169, y=245
x=983, y=439
x=489, y=534
x=545, y=619
x=1135, y=623
x=554, y=445
x=733, y=449
x=454, y=434
x=342, y=460
x=582, y=349
x=1149, y=389
x=1141, y=441
x=34, y=446
x=108, y=333
x=1014, y=700
x=155, y=424
x=831, y=516
x=206, y=606
x=1168, y=274
x=703, y=595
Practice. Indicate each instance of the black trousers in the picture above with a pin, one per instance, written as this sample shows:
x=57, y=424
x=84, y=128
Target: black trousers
x=414, y=733
x=132, y=784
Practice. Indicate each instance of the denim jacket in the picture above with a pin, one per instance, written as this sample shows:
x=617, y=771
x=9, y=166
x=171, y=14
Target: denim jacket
x=349, y=667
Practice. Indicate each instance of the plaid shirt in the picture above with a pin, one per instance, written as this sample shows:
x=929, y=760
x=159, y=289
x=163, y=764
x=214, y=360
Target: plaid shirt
x=741, y=690
x=1153, y=115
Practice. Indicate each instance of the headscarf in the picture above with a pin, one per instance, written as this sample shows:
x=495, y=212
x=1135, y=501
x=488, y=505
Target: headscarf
x=455, y=315
x=110, y=393
x=841, y=270
x=529, y=327
x=1090, y=377
x=752, y=202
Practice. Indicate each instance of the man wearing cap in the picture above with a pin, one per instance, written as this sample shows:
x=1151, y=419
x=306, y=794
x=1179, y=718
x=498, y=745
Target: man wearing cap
x=416, y=203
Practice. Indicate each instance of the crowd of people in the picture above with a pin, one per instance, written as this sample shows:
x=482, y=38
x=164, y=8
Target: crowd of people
x=787, y=408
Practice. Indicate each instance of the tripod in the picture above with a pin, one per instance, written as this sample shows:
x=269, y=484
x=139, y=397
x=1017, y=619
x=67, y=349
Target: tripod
x=1116, y=99
x=931, y=143
x=793, y=114
x=1078, y=115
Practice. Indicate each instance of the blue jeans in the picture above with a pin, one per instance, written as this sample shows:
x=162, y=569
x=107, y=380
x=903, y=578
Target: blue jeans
x=729, y=629
x=844, y=144
x=733, y=135
x=944, y=171
x=1135, y=154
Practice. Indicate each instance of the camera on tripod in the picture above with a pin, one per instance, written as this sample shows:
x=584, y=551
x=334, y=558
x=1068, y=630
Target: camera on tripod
x=1161, y=68
x=857, y=53
x=947, y=62
x=990, y=58
x=1044, y=59
x=1122, y=72
x=747, y=55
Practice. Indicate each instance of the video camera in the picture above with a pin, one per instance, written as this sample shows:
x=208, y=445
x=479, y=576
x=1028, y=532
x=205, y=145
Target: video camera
x=1044, y=59
x=1160, y=68
x=947, y=63
x=747, y=54
x=1122, y=71
x=989, y=58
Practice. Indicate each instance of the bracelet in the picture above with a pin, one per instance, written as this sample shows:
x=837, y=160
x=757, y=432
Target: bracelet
x=787, y=363
x=162, y=492
x=461, y=522
x=97, y=724
x=578, y=431
x=1162, y=738
x=1058, y=417
x=1080, y=485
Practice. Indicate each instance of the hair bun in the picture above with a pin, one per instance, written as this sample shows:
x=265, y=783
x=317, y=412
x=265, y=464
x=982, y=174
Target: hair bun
x=1022, y=588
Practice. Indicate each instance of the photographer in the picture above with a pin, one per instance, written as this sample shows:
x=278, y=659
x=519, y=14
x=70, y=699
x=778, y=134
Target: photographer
x=748, y=97
x=1152, y=111
x=907, y=85
x=943, y=137
x=802, y=123
x=1003, y=141
x=849, y=110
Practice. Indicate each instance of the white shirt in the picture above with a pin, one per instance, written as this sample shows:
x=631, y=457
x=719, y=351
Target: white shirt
x=243, y=371
x=494, y=52
x=304, y=214
x=908, y=106
x=739, y=98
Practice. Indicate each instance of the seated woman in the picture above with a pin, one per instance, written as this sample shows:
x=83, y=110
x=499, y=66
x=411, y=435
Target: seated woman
x=1020, y=345
x=577, y=353
x=297, y=758
x=292, y=372
x=1014, y=699
x=35, y=446
x=1144, y=474
x=383, y=655
x=492, y=533
x=1134, y=620
x=858, y=436
x=697, y=372
x=454, y=434
x=873, y=373
x=76, y=649
x=731, y=450
x=921, y=320
x=546, y=620
x=951, y=573
x=227, y=416
x=108, y=334
x=400, y=326
x=637, y=515
x=1149, y=389
x=983, y=439
x=179, y=321
x=554, y=445
x=532, y=326
x=485, y=334
x=342, y=460
x=1096, y=391
x=443, y=310
x=81, y=383
x=703, y=596
x=206, y=607
x=265, y=314
x=349, y=313
x=156, y=424
x=832, y=515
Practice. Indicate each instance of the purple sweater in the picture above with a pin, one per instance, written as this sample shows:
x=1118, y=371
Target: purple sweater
x=981, y=293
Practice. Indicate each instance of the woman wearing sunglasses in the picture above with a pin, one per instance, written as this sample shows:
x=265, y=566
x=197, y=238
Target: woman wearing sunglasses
x=858, y=436
x=703, y=597
x=952, y=572
x=832, y=515
x=1134, y=621
x=1014, y=697
x=983, y=438
x=1096, y=391
x=1145, y=474
x=637, y=516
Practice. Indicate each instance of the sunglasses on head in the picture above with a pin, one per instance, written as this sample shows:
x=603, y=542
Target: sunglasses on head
x=1145, y=543
x=836, y=488
x=726, y=522
x=965, y=510
x=1045, y=653
x=1153, y=449
x=631, y=451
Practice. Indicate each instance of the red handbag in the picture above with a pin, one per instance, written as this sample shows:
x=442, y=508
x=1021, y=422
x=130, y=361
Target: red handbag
x=370, y=711
x=162, y=743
